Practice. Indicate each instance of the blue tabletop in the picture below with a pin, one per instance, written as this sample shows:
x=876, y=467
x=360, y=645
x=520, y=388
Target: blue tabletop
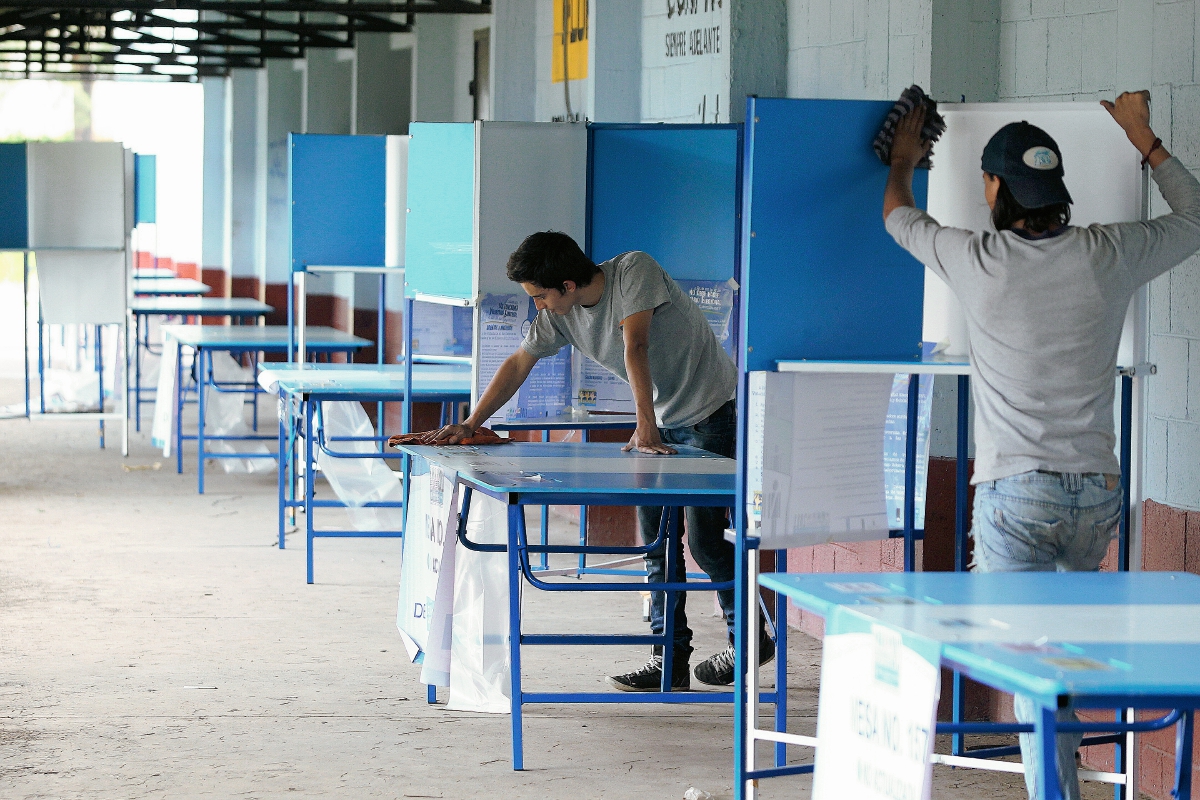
x=200, y=306
x=270, y=338
x=1133, y=634
x=568, y=422
x=451, y=381
x=575, y=469
x=161, y=286
x=153, y=272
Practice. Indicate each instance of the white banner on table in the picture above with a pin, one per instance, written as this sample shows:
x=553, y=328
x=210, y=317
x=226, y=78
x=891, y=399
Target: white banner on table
x=426, y=602
x=166, y=397
x=821, y=451
x=876, y=713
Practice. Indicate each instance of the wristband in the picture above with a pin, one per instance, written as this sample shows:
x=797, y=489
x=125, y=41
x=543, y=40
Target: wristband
x=1157, y=144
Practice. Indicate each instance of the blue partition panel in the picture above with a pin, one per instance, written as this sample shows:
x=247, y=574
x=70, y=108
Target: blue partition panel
x=670, y=190
x=145, y=193
x=336, y=188
x=14, y=198
x=821, y=277
x=439, y=238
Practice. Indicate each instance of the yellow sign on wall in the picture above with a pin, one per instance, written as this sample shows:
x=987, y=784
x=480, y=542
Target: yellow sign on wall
x=570, y=51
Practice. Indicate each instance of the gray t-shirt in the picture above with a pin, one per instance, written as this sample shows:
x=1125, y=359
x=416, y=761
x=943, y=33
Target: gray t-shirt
x=1045, y=318
x=692, y=375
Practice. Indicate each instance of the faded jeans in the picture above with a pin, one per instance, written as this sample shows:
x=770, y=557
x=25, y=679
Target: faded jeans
x=1045, y=522
x=705, y=532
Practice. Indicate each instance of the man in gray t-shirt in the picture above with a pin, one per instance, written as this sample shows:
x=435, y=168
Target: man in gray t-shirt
x=631, y=317
x=1045, y=303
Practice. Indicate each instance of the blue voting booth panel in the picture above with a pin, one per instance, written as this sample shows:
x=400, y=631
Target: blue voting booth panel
x=336, y=188
x=821, y=277
x=670, y=190
x=14, y=198
x=439, y=238
x=145, y=193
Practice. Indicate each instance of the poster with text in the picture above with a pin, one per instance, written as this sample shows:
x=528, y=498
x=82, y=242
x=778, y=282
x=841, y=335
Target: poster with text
x=597, y=389
x=895, y=443
x=441, y=330
x=715, y=301
x=685, y=61
x=504, y=321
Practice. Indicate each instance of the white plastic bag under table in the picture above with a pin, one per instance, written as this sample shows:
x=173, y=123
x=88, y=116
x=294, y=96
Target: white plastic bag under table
x=358, y=481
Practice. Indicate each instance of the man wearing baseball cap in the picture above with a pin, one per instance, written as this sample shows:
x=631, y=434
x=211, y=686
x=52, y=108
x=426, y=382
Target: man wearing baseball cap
x=1045, y=303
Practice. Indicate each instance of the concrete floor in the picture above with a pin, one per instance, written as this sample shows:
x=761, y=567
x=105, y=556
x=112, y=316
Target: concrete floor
x=156, y=643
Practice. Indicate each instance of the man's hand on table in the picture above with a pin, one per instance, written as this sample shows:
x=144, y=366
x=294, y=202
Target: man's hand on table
x=646, y=439
x=450, y=434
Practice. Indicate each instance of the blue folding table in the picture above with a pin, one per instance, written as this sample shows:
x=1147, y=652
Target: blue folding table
x=571, y=473
x=204, y=340
x=1094, y=640
x=169, y=286
x=302, y=389
x=242, y=309
x=151, y=273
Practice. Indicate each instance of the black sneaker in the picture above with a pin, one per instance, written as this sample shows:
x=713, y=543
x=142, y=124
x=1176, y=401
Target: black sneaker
x=649, y=677
x=718, y=669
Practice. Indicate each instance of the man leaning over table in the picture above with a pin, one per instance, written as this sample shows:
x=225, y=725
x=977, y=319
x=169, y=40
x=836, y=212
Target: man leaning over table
x=630, y=316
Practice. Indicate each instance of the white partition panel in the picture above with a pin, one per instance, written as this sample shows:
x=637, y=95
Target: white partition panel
x=77, y=195
x=1102, y=172
x=395, y=202
x=82, y=286
x=529, y=177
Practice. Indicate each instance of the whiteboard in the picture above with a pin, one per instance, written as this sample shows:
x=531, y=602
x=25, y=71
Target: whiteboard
x=529, y=177
x=77, y=195
x=82, y=286
x=1102, y=172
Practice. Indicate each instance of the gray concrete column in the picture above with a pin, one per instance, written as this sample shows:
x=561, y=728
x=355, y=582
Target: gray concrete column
x=436, y=60
x=285, y=88
x=383, y=84
x=247, y=186
x=215, y=202
x=329, y=91
x=616, y=61
x=514, y=65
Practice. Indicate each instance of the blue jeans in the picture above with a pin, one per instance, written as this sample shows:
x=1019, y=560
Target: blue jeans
x=1045, y=522
x=705, y=532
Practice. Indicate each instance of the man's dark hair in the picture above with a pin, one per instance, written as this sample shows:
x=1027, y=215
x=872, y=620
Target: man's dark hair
x=549, y=259
x=1037, y=220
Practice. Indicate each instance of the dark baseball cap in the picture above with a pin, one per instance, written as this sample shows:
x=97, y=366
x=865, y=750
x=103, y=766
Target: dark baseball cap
x=1030, y=162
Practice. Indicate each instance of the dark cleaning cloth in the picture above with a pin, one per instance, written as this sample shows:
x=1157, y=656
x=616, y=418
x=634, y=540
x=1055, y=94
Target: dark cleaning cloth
x=933, y=129
x=482, y=436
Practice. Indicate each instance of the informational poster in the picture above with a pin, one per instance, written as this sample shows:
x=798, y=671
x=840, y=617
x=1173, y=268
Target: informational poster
x=426, y=604
x=715, y=300
x=821, y=445
x=685, y=46
x=895, y=444
x=597, y=389
x=569, y=56
x=504, y=322
x=441, y=330
x=166, y=398
x=876, y=712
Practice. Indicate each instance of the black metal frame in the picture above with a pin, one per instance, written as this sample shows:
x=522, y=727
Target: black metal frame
x=184, y=40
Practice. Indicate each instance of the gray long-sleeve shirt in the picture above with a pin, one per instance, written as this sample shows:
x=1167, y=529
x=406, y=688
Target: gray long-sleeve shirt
x=1045, y=318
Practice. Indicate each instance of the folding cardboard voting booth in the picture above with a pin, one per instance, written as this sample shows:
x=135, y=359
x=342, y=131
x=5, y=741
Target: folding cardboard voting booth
x=71, y=203
x=831, y=305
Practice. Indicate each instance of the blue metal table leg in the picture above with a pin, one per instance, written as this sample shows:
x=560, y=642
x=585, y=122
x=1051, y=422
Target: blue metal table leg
x=1183, y=756
x=515, y=513
x=309, y=480
x=958, y=742
x=780, y=661
x=203, y=358
x=100, y=379
x=1123, y=535
x=583, y=437
x=741, y=609
x=545, y=518
x=1047, y=740
x=25, y=326
x=674, y=534
x=283, y=466
x=431, y=694
x=137, y=371
x=910, y=474
x=179, y=408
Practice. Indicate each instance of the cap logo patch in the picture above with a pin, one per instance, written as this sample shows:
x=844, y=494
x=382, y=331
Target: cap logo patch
x=1040, y=158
